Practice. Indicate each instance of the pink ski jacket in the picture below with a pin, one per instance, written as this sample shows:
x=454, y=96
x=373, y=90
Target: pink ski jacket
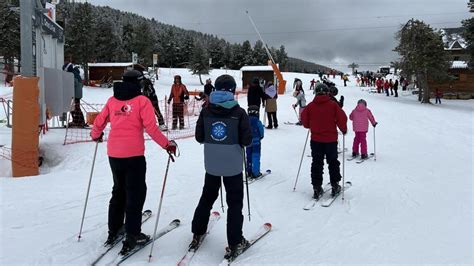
x=127, y=120
x=360, y=117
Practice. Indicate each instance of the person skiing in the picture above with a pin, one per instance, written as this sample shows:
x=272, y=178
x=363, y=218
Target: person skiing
x=323, y=116
x=129, y=113
x=386, y=86
x=438, y=96
x=253, y=150
x=208, y=88
x=360, y=117
x=179, y=94
x=271, y=96
x=300, y=100
x=379, y=84
x=346, y=79
x=391, y=86
x=333, y=93
x=77, y=115
x=255, y=94
x=224, y=129
x=149, y=91
x=395, y=87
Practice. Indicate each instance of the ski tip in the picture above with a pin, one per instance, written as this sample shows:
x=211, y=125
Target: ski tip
x=176, y=221
x=147, y=212
x=267, y=226
x=348, y=183
x=269, y=171
x=215, y=213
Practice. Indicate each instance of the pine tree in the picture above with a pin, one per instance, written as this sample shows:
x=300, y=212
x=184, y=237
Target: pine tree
x=259, y=54
x=422, y=53
x=199, y=63
x=468, y=35
x=247, y=54
x=107, y=48
x=216, y=52
x=10, y=34
x=282, y=56
x=228, y=56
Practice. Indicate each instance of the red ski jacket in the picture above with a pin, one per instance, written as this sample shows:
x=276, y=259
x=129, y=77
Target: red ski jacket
x=323, y=116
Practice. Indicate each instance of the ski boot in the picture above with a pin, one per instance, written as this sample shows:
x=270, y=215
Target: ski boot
x=354, y=154
x=113, y=236
x=235, y=250
x=163, y=127
x=318, y=193
x=132, y=241
x=336, y=189
x=195, y=242
x=364, y=156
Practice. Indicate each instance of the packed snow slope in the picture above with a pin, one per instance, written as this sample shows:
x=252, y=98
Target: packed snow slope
x=413, y=205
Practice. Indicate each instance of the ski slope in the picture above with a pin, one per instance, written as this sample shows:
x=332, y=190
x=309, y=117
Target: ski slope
x=414, y=205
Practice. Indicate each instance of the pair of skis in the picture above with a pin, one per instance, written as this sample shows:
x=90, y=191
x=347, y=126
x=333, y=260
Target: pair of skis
x=360, y=160
x=215, y=216
x=146, y=215
x=326, y=200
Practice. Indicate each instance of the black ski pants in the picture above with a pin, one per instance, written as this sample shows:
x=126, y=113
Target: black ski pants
x=234, y=187
x=128, y=193
x=272, y=119
x=318, y=151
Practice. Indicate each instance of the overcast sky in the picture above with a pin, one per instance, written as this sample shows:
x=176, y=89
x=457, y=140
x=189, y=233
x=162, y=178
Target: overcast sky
x=330, y=32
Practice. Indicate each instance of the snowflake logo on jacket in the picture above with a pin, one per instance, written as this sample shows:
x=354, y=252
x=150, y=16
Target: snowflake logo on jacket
x=219, y=131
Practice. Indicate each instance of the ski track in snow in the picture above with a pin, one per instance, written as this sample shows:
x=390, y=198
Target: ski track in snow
x=412, y=206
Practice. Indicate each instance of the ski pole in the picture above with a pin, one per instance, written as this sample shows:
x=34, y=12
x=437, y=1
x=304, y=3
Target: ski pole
x=222, y=199
x=375, y=154
x=343, y=163
x=246, y=182
x=159, y=207
x=301, y=161
x=88, y=190
x=297, y=116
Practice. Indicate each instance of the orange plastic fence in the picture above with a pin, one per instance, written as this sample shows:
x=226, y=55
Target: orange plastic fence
x=25, y=119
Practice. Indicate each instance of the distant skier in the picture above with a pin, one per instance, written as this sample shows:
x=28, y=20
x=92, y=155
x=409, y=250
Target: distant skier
x=150, y=93
x=323, y=116
x=438, y=96
x=271, y=97
x=379, y=85
x=300, y=100
x=360, y=117
x=224, y=129
x=204, y=96
x=255, y=94
x=333, y=93
x=346, y=79
x=77, y=115
x=254, y=150
x=386, y=87
x=129, y=113
x=391, y=86
x=395, y=87
x=179, y=94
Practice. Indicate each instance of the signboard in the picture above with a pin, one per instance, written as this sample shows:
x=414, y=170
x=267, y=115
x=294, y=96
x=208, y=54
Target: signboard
x=49, y=26
x=134, y=58
x=155, y=59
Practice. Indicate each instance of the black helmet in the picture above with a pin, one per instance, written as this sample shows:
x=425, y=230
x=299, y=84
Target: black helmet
x=333, y=90
x=133, y=76
x=321, y=89
x=253, y=110
x=225, y=83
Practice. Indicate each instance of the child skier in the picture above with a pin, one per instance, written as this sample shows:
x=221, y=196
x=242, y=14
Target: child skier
x=178, y=94
x=129, y=114
x=253, y=151
x=323, y=116
x=224, y=129
x=300, y=99
x=271, y=96
x=360, y=117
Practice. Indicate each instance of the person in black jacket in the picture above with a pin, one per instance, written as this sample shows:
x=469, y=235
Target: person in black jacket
x=224, y=129
x=333, y=93
x=149, y=91
x=255, y=95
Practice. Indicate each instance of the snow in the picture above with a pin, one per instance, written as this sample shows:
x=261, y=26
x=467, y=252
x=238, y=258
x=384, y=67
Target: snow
x=110, y=64
x=256, y=68
x=414, y=205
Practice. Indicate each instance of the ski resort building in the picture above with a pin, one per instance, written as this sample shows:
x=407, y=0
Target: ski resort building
x=262, y=72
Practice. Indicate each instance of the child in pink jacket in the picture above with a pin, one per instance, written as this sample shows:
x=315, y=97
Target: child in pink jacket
x=360, y=117
x=129, y=113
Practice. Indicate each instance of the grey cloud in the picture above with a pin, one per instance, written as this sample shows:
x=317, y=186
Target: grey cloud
x=327, y=32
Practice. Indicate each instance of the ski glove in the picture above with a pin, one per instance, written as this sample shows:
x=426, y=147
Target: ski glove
x=375, y=124
x=100, y=138
x=171, y=148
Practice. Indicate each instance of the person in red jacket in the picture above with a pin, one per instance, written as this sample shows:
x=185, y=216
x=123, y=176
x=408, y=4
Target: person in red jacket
x=178, y=94
x=129, y=113
x=379, y=84
x=386, y=87
x=323, y=116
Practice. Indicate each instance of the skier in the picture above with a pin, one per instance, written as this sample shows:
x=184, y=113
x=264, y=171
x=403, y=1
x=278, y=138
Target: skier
x=129, y=114
x=77, y=115
x=360, y=116
x=179, y=94
x=300, y=100
x=395, y=88
x=333, y=93
x=224, y=129
x=150, y=93
x=255, y=94
x=208, y=88
x=323, y=116
x=253, y=151
x=391, y=86
x=379, y=84
x=438, y=96
x=386, y=86
x=345, y=78
x=271, y=96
